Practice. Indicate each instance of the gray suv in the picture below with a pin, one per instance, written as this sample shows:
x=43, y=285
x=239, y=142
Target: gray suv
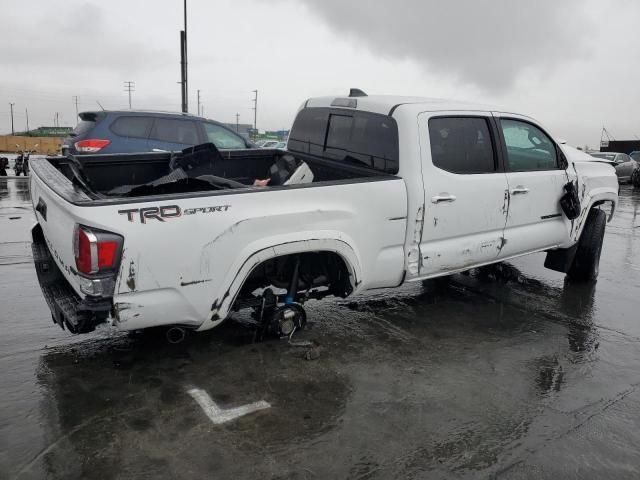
x=137, y=131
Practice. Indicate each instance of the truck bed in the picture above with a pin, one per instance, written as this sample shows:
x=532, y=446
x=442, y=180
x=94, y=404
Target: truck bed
x=104, y=177
x=186, y=254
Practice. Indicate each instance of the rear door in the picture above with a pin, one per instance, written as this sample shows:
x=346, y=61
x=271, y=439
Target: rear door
x=173, y=134
x=465, y=191
x=536, y=179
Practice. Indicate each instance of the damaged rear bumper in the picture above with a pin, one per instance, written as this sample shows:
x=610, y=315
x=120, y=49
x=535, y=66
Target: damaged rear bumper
x=67, y=308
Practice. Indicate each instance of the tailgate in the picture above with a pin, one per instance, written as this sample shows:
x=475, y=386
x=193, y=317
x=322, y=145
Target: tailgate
x=53, y=255
x=55, y=217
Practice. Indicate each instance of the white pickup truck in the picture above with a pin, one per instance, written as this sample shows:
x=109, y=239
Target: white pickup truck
x=392, y=190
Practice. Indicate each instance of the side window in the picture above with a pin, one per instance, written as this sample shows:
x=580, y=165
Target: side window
x=172, y=130
x=462, y=145
x=621, y=158
x=528, y=147
x=135, y=127
x=223, y=138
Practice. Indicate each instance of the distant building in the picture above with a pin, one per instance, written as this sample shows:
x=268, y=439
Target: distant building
x=279, y=134
x=47, y=132
x=620, y=146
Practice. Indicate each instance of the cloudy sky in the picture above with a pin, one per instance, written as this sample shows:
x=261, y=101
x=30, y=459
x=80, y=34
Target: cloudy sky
x=572, y=64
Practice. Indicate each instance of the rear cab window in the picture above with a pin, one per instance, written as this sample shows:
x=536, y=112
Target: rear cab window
x=359, y=138
x=462, y=145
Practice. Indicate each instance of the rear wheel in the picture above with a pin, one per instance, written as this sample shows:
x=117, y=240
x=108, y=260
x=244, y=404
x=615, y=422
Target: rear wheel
x=586, y=263
x=635, y=178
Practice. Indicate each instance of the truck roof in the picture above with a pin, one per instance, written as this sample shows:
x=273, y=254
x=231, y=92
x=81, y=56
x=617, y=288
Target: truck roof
x=385, y=104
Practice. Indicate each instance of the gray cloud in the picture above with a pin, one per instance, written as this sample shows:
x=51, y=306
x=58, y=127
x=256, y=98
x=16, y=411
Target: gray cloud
x=76, y=35
x=488, y=43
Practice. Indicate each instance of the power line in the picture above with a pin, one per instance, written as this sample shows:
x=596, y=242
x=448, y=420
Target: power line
x=129, y=87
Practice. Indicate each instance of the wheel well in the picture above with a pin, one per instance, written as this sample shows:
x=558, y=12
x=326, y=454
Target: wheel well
x=600, y=203
x=321, y=271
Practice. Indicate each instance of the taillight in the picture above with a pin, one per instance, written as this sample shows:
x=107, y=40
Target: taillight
x=96, y=251
x=92, y=145
x=97, y=256
x=83, y=253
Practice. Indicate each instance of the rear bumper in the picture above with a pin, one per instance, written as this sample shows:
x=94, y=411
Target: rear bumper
x=67, y=308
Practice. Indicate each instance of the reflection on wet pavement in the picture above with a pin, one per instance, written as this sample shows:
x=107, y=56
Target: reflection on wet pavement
x=508, y=372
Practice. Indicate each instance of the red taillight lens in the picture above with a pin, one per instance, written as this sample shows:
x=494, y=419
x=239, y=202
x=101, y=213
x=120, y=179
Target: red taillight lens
x=96, y=251
x=83, y=252
x=107, y=254
x=92, y=145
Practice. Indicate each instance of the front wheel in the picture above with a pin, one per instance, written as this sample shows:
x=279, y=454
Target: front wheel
x=586, y=263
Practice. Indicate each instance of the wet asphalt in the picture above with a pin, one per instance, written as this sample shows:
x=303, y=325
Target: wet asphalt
x=507, y=373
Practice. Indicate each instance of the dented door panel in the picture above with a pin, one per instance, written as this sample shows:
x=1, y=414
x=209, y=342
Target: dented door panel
x=465, y=214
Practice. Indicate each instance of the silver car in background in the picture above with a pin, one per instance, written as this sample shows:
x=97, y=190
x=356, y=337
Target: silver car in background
x=625, y=166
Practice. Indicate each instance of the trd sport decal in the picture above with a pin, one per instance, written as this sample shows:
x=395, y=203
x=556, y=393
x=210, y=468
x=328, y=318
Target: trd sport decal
x=167, y=211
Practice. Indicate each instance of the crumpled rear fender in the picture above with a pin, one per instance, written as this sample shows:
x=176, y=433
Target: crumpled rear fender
x=222, y=305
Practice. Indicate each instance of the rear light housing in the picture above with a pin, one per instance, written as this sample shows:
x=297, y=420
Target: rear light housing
x=91, y=145
x=97, y=254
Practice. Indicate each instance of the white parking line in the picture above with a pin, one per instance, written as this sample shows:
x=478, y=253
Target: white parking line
x=218, y=415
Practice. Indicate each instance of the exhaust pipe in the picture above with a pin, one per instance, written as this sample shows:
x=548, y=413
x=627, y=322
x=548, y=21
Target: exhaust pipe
x=175, y=335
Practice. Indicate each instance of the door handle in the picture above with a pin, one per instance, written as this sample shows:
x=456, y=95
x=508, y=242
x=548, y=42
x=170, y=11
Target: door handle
x=443, y=197
x=519, y=190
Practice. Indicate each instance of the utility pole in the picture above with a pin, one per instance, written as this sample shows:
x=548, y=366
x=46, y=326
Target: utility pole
x=26, y=111
x=56, y=120
x=129, y=87
x=75, y=100
x=11, y=106
x=198, y=102
x=183, y=63
x=237, y=123
x=255, y=114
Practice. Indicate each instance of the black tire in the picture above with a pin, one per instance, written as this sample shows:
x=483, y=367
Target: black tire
x=635, y=178
x=586, y=263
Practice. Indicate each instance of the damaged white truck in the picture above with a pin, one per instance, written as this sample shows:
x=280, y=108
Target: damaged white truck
x=373, y=191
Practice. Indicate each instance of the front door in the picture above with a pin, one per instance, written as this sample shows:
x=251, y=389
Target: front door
x=536, y=179
x=465, y=192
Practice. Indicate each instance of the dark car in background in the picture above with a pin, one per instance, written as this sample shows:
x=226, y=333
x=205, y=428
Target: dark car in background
x=142, y=131
x=626, y=167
